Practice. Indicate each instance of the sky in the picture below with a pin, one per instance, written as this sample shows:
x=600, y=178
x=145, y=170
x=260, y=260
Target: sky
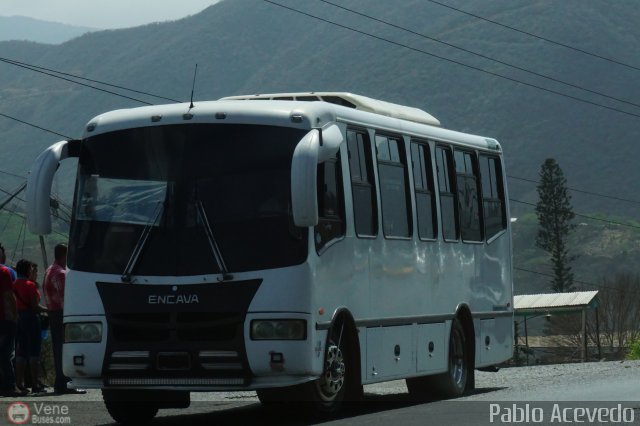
x=104, y=14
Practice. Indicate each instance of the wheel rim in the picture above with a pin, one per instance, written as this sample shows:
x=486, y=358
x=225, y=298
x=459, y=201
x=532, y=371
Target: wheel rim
x=458, y=366
x=332, y=380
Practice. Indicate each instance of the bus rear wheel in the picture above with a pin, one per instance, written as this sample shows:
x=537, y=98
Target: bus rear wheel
x=453, y=383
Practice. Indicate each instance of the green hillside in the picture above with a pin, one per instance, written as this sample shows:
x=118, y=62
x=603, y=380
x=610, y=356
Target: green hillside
x=250, y=46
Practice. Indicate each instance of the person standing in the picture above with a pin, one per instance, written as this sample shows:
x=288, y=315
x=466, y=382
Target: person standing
x=3, y=262
x=54, y=280
x=29, y=338
x=7, y=334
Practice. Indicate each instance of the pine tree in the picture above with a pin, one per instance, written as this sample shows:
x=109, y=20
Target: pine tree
x=555, y=214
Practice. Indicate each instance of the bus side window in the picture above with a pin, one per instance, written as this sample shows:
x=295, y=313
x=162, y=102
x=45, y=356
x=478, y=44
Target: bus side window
x=330, y=204
x=448, y=205
x=468, y=195
x=425, y=194
x=365, y=209
x=495, y=217
x=394, y=187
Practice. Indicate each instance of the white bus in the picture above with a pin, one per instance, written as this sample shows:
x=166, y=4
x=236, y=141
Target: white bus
x=299, y=245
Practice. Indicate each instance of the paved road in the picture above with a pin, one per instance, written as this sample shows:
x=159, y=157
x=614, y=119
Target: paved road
x=598, y=387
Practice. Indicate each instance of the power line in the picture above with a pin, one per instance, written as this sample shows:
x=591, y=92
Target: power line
x=36, y=67
x=12, y=174
x=553, y=276
x=579, y=190
x=22, y=228
x=519, y=68
x=10, y=216
x=75, y=82
x=61, y=204
x=56, y=212
x=12, y=195
x=33, y=125
x=60, y=213
x=24, y=218
x=548, y=40
x=613, y=222
x=395, y=43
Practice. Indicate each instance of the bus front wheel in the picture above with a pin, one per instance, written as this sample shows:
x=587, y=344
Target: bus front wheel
x=328, y=392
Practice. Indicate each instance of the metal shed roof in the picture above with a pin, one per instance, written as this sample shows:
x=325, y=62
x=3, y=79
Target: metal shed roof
x=530, y=303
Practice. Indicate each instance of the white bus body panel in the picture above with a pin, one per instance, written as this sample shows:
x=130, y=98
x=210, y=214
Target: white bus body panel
x=382, y=279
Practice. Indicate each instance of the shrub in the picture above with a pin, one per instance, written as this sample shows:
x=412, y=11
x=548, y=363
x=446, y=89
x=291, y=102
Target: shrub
x=634, y=349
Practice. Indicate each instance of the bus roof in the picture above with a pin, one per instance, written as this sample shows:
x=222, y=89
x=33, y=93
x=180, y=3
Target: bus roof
x=267, y=111
x=350, y=100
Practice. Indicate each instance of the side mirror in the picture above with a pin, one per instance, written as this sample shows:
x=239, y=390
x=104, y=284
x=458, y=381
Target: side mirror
x=315, y=147
x=39, y=184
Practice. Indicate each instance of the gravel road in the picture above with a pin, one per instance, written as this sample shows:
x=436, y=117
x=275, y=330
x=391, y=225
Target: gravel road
x=513, y=383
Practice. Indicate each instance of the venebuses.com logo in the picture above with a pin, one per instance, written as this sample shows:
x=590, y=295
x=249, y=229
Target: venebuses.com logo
x=18, y=413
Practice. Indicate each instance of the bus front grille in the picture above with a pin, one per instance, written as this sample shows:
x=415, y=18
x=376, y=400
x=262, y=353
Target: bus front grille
x=184, y=366
x=181, y=326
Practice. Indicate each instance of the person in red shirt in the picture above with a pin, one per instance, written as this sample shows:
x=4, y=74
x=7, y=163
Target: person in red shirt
x=54, y=279
x=29, y=336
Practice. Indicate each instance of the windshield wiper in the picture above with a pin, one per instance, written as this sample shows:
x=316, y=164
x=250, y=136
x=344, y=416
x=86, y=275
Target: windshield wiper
x=137, y=250
x=217, y=254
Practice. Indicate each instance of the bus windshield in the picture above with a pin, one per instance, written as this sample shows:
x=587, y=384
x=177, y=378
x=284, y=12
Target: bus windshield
x=157, y=178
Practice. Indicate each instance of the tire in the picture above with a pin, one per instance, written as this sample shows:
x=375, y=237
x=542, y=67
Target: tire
x=338, y=379
x=453, y=383
x=127, y=408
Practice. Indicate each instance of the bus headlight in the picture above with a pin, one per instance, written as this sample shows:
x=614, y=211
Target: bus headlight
x=276, y=329
x=85, y=332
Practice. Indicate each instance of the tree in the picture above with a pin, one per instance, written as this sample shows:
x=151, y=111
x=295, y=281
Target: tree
x=554, y=218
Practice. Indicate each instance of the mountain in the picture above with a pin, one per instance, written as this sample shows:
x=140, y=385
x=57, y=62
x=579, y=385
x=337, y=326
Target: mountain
x=23, y=28
x=251, y=46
